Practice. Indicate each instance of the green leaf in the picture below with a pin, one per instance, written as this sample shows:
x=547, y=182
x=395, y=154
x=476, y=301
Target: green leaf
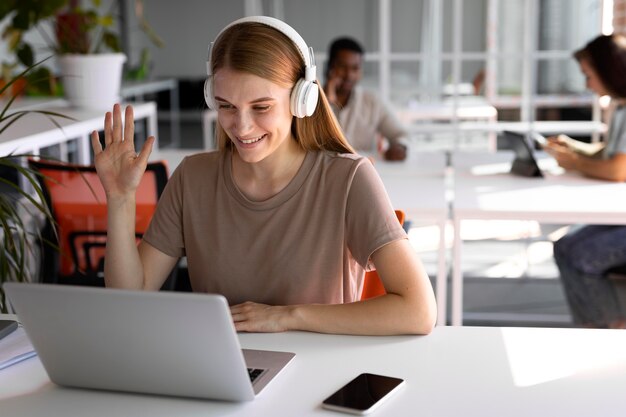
x=111, y=41
x=25, y=55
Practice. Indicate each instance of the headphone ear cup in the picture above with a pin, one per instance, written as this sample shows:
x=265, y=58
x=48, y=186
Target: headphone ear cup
x=208, y=94
x=303, y=99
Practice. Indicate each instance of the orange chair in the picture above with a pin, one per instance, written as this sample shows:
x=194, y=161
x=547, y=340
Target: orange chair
x=372, y=285
x=78, y=203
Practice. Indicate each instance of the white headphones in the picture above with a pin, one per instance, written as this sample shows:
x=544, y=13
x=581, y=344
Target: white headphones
x=304, y=95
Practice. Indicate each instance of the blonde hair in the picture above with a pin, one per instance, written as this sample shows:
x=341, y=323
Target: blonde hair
x=258, y=49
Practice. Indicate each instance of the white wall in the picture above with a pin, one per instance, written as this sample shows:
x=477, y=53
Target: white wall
x=187, y=27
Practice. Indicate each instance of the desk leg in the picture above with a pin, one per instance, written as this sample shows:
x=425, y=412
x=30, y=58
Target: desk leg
x=441, y=285
x=175, y=117
x=457, y=276
x=84, y=149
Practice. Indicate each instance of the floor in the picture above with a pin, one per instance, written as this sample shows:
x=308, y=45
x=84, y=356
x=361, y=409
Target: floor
x=510, y=277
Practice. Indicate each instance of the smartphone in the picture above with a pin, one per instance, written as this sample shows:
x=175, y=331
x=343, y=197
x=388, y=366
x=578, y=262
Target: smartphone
x=363, y=394
x=7, y=327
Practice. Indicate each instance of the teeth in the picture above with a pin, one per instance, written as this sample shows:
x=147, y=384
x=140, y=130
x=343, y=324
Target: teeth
x=248, y=141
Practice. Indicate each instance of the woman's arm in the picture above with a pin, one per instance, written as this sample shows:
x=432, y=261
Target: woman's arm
x=612, y=169
x=409, y=306
x=120, y=170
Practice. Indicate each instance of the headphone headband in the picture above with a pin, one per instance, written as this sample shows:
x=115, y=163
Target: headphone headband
x=305, y=52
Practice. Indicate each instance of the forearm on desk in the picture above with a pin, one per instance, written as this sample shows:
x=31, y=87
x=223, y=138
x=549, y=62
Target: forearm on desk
x=613, y=169
x=389, y=314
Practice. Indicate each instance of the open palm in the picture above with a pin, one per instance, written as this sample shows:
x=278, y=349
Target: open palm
x=118, y=165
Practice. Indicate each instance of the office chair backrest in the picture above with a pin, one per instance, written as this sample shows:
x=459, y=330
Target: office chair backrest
x=78, y=203
x=372, y=285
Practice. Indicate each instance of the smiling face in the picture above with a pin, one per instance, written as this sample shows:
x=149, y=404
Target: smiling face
x=347, y=66
x=593, y=81
x=254, y=113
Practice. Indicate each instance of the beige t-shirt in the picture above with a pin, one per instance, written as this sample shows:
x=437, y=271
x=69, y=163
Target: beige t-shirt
x=310, y=243
x=365, y=117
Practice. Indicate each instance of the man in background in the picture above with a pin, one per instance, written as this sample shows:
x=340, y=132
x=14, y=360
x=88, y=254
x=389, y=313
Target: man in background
x=365, y=119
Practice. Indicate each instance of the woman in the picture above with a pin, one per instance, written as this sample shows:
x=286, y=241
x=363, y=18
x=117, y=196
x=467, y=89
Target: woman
x=584, y=255
x=283, y=219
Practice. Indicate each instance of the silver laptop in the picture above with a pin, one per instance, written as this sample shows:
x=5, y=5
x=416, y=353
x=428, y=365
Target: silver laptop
x=165, y=343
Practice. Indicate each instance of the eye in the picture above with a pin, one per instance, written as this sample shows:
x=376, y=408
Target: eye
x=261, y=108
x=225, y=106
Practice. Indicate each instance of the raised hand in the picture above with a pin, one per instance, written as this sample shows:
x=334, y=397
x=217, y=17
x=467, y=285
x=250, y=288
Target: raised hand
x=118, y=165
x=396, y=152
x=330, y=89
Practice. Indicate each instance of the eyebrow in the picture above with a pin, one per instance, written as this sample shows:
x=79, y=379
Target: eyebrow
x=258, y=100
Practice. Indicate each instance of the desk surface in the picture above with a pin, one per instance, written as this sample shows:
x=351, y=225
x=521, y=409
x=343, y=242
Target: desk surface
x=36, y=131
x=484, y=189
x=456, y=371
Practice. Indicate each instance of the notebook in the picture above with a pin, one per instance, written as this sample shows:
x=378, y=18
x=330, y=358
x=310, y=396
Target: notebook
x=165, y=343
x=524, y=163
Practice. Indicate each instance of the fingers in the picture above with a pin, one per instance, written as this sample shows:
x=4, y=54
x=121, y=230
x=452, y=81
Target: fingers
x=95, y=143
x=108, y=129
x=129, y=125
x=118, y=130
x=117, y=123
x=146, y=149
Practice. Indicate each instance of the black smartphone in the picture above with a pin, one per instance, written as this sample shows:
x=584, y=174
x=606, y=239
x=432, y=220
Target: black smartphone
x=363, y=394
x=6, y=327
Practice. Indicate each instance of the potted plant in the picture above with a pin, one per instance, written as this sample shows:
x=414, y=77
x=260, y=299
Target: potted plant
x=83, y=39
x=18, y=239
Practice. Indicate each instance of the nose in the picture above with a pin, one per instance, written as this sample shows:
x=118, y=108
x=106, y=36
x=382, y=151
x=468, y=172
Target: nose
x=243, y=123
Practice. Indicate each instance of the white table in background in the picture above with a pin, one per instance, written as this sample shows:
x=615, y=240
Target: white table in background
x=35, y=131
x=455, y=371
x=485, y=190
x=449, y=115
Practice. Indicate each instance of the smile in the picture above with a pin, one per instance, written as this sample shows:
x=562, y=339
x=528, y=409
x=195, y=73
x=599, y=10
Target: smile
x=249, y=141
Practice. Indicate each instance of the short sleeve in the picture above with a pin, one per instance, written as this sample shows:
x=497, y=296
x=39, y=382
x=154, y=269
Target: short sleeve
x=371, y=222
x=165, y=231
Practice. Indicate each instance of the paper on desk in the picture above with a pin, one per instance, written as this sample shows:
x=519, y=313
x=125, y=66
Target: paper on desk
x=15, y=348
x=588, y=149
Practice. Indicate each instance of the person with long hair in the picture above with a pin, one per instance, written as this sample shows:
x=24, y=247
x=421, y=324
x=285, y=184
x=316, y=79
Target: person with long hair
x=283, y=219
x=586, y=254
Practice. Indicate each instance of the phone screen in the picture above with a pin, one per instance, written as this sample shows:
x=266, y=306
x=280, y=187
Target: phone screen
x=362, y=394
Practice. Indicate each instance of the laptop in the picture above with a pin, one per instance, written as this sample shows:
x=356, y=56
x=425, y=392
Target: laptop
x=165, y=343
x=525, y=163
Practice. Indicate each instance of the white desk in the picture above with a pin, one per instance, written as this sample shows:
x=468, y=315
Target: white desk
x=464, y=111
x=34, y=131
x=455, y=371
x=484, y=189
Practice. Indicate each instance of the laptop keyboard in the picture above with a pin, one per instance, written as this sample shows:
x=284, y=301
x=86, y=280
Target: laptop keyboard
x=254, y=373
